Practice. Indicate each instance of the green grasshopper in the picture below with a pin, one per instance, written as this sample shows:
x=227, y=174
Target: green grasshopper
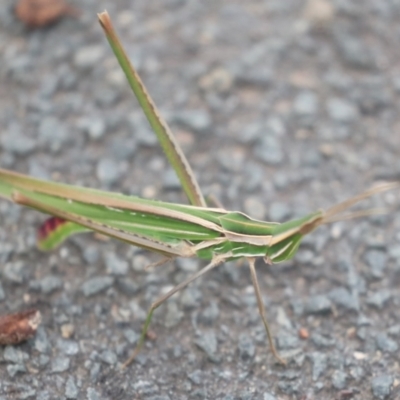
x=172, y=230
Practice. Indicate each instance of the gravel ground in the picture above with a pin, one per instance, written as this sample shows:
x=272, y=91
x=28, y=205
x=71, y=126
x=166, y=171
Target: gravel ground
x=282, y=109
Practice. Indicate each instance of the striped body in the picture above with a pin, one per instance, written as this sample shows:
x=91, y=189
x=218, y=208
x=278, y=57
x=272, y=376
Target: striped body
x=170, y=229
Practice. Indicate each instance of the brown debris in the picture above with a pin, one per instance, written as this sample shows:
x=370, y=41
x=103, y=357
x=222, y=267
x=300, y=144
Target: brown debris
x=303, y=333
x=18, y=327
x=40, y=13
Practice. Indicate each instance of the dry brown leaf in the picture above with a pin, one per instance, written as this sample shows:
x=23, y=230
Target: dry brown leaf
x=40, y=13
x=18, y=327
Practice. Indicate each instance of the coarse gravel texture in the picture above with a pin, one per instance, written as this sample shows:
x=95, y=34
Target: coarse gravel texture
x=282, y=107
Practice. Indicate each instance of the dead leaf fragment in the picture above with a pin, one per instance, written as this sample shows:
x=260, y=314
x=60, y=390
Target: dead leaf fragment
x=18, y=327
x=40, y=13
x=303, y=333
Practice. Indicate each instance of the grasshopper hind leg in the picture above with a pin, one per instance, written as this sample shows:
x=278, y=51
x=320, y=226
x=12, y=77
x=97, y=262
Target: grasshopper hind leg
x=261, y=309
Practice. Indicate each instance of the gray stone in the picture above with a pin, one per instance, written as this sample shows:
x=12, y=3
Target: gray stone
x=160, y=397
x=15, y=355
x=89, y=56
x=379, y=299
x=342, y=297
x=250, y=133
x=123, y=148
x=91, y=254
x=341, y=110
x=173, y=315
x=246, y=347
x=2, y=294
x=60, y=364
x=320, y=364
x=15, y=142
x=106, y=97
x=50, y=283
x=382, y=386
x=373, y=95
x=376, y=260
x=279, y=212
x=14, y=369
x=115, y=265
x=195, y=376
x=131, y=336
x=195, y=120
x=321, y=341
x=71, y=390
x=355, y=52
x=318, y=304
x=97, y=285
x=191, y=298
x=107, y=171
x=386, y=344
x=305, y=104
x=142, y=132
x=53, y=134
x=394, y=330
x=210, y=314
x=41, y=342
x=108, y=357
x=68, y=347
x=15, y=272
x=95, y=371
x=209, y=344
x=170, y=180
x=144, y=387
x=95, y=128
x=270, y=150
x=127, y=286
x=305, y=256
x=339, y=379
x=285, y=341
x=92, y=394
x=254, y=207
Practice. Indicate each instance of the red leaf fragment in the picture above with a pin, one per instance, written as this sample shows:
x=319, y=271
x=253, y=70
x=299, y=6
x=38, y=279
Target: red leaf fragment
x=18, y=327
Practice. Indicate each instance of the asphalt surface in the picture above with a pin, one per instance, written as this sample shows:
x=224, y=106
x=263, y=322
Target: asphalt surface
x=282, y=109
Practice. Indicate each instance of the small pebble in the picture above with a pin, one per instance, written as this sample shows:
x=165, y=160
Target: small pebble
x=386, y=344
x=208, y=343
x=198, y=121
x=116, y=265
x=320, y=364
x=92, y=394
x=377, y=262
x=379, y=299
x=97, y=285
x=107, y=171
x=108, y=357
x=68, y=347
x=173, y=315
x=15, y=355
x=382, y=386
x=319, y=304
x=246, y=347
x=89, y=56
x=60, y=364
x=67, y=330
x=269, y=150
x=71, y=390
x=341, y=110
x=15, y=142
